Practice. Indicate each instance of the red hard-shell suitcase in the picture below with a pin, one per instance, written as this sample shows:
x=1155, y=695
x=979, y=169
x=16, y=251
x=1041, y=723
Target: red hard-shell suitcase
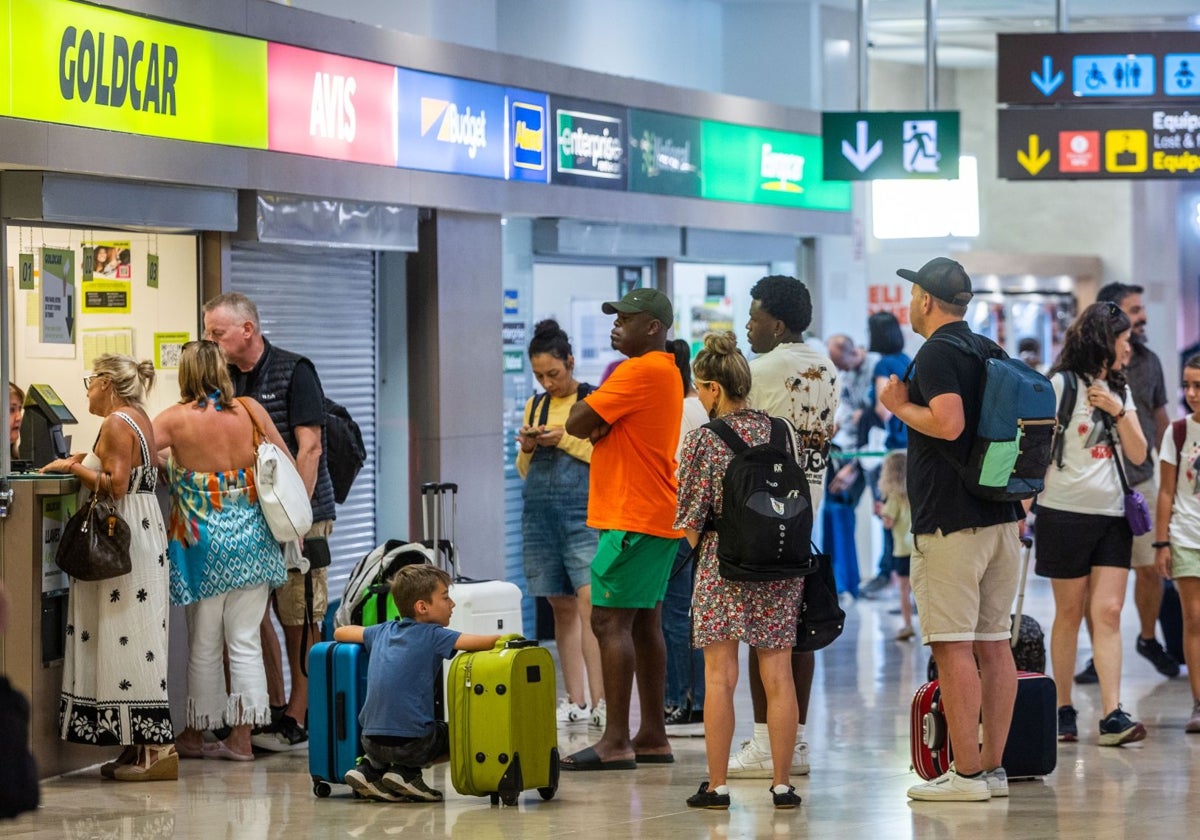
x=1032, y=746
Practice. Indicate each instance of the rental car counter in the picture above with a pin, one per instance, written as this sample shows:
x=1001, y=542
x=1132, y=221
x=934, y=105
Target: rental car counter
x=31, y=650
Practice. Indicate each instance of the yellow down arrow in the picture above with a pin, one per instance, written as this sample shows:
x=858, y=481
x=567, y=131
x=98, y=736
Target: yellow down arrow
x=1033, y=162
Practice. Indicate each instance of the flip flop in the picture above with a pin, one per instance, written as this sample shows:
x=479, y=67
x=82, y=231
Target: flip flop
x=190, y=752
x=655, y=758
x=218, y=749
x=589, y=759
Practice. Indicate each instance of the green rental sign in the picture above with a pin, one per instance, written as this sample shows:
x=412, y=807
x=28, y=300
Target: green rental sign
x=897, y=145
x=764, y=166
x=664, y=153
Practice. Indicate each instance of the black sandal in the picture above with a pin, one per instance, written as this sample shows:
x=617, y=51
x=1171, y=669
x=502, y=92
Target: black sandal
x=705, y=798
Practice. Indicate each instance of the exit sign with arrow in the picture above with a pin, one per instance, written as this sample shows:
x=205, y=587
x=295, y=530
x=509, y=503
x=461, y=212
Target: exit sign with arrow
x=894, y=145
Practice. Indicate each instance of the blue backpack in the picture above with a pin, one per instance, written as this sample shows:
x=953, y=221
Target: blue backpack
x=1014, y=440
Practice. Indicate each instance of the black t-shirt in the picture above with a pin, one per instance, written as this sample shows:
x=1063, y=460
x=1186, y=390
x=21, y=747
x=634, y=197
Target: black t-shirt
x=306, y=400
x=936, y=492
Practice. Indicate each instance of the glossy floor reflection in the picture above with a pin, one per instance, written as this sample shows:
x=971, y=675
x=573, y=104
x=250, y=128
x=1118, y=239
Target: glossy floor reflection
x=858, y=731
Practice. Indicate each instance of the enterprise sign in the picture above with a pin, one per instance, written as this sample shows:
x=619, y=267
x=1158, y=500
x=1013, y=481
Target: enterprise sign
x=590, y=144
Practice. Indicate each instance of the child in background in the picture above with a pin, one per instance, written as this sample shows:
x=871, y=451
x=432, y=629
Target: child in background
x=399, y=732
x=897, y=517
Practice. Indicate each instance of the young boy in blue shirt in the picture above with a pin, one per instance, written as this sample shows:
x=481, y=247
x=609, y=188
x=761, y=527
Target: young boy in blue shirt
x=399, y=732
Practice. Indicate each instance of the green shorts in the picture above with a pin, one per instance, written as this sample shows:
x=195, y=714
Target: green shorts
x=1185, y=562
x=630, y=570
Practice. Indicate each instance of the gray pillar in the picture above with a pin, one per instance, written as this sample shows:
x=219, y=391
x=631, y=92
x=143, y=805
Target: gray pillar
x=455, y=379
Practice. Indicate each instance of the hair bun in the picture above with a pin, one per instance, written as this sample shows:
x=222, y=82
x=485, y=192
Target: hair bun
x=548, y=328
x=721, y=343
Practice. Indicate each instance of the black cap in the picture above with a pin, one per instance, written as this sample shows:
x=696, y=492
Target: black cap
x=943, y=278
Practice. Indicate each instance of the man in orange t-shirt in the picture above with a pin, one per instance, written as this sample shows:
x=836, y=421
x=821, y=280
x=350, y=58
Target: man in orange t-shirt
x=633, y=419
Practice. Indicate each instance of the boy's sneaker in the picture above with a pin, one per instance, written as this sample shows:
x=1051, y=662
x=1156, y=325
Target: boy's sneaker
x=951, y=787
x=570, y=713
x=707, y=798
x=1118, y=729
x=287, y=735
x=1088, y=675
x=997, y=782
x=367, y=782
x=785, y=797
x=599, y=718
x=407, y=782
x=1193, y=724
x=1163, y=662
x=1067, y=730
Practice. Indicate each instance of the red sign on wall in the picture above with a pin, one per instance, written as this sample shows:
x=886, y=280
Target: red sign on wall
x=330, y=106
x=889, y=297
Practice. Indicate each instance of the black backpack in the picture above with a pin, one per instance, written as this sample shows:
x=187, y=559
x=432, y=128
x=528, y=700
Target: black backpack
x=345, y=452
x=765, y=528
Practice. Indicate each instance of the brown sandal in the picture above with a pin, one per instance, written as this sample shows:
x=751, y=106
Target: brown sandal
x=164, y=768
x=128, y=756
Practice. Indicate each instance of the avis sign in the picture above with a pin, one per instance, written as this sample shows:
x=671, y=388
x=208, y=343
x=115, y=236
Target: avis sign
x=899, y=145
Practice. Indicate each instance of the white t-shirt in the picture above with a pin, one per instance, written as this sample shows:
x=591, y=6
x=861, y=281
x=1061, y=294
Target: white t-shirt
x=1087, y=482
x=1184, y=529
x=694, y=416
x=797, y=383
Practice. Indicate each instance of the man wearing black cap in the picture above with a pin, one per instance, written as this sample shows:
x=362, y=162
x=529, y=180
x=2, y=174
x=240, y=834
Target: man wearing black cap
x=633, y=419
x=966, y=550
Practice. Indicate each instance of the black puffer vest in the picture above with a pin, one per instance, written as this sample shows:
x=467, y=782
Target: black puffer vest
x=274, y=379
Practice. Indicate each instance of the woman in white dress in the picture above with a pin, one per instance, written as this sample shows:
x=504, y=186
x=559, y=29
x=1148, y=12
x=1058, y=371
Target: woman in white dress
x=115, y=671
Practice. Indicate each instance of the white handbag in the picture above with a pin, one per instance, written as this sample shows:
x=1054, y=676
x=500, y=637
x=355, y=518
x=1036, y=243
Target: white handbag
x=281, y=493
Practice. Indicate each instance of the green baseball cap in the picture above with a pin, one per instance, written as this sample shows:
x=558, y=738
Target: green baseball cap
x=643, y=300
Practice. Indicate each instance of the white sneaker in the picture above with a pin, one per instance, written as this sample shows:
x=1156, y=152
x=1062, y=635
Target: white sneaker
x=800, y=760
x=750, y=762
x=997, y=782
x=599, y=718
x=571, y=713
x=951, y=787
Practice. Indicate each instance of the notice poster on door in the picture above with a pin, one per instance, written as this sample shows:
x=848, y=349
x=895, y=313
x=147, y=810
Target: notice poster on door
x=56, y=299
x=110, y=260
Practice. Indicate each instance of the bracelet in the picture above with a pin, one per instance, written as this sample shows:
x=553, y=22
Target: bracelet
x=1120, y=414
x=1161, y=544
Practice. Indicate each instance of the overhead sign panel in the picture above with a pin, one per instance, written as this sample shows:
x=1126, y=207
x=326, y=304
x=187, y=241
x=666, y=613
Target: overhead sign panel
x=590, y=144
x=451, y=125
x=1098, y=67
x=1099, y=143
x=664, y=153
x=870, y=145
x=765, y=166
x=330, y=106
x=528, y=136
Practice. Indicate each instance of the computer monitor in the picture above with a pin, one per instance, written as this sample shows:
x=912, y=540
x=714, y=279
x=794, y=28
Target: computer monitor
x=42, y=439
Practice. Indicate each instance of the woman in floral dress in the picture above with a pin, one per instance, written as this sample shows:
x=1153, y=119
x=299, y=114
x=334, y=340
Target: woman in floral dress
x=725, y=612
x=115, y=670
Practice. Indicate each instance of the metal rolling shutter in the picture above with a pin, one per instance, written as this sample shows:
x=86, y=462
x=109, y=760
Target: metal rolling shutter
x=322, y=303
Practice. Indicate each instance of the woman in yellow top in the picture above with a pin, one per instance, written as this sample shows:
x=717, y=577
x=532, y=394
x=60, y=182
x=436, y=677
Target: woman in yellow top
x=558, y=545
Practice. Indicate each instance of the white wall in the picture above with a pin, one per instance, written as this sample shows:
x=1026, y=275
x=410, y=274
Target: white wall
x=172, y=307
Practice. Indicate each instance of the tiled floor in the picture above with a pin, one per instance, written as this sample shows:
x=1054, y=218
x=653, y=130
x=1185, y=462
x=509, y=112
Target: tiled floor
x=858, y=731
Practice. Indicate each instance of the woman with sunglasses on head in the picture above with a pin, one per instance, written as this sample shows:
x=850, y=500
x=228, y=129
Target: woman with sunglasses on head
x=115, y=669
x=1084, y=541
x=224, y=559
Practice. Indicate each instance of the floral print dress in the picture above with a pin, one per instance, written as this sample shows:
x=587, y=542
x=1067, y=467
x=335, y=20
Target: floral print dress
x=762, y=614
x=115, y=671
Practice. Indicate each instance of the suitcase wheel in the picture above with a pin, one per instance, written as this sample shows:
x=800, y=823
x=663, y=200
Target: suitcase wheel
x=495, y=797
x=321, y=788
x=552, y=788
x=511, y=798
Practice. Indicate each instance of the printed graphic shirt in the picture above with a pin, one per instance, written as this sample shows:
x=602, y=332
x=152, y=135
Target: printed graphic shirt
x=1184, y=529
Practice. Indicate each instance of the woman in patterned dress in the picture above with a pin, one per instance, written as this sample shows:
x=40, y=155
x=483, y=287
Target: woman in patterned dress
x=224, y=560
x=115, y=670
x=725, y=612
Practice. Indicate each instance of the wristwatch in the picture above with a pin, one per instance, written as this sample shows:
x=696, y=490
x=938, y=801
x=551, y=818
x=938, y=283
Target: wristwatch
x=1161, y=544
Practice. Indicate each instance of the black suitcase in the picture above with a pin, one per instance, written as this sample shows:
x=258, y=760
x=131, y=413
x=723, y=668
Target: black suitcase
x=1032, y=746
x=1170, y=616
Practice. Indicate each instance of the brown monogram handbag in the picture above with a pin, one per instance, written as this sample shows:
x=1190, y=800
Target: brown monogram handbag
x=95, y=541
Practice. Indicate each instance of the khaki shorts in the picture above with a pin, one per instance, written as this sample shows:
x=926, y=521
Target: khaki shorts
x=1143, y=552
x=1185, y=562
x=965, y=582
x=289, y=598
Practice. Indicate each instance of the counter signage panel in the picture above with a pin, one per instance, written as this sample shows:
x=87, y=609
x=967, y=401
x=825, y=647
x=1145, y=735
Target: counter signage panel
x=590, y=144
x=330, y=106
x=664, y=153
x=450, y=125
x=91, y=67
x=765, y=166
x=1099, y=143
x=528, y=136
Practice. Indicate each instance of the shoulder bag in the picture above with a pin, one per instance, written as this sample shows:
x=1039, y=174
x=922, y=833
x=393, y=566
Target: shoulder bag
x=95, y=541
x=1137, y=512
x=281, y=493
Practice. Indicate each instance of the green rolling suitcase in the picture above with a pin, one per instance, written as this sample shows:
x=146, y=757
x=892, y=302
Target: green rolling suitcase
x=503, y=733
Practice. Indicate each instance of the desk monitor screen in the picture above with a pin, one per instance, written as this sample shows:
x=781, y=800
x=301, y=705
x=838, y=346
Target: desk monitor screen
x=41, y=427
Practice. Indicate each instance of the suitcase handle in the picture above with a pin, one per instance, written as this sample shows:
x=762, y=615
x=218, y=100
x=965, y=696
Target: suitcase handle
x=339, y=715
x=512, y=640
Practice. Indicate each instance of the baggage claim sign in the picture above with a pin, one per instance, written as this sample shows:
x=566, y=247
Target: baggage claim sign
x=1142, y=98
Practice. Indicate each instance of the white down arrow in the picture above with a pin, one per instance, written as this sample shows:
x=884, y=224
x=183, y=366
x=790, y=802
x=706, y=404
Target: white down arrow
x=862, y=157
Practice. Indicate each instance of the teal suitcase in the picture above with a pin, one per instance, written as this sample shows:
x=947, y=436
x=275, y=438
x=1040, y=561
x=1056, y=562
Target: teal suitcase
x=503, y=732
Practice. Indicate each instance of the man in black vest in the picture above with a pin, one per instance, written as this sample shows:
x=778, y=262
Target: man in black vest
x=288, y=387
